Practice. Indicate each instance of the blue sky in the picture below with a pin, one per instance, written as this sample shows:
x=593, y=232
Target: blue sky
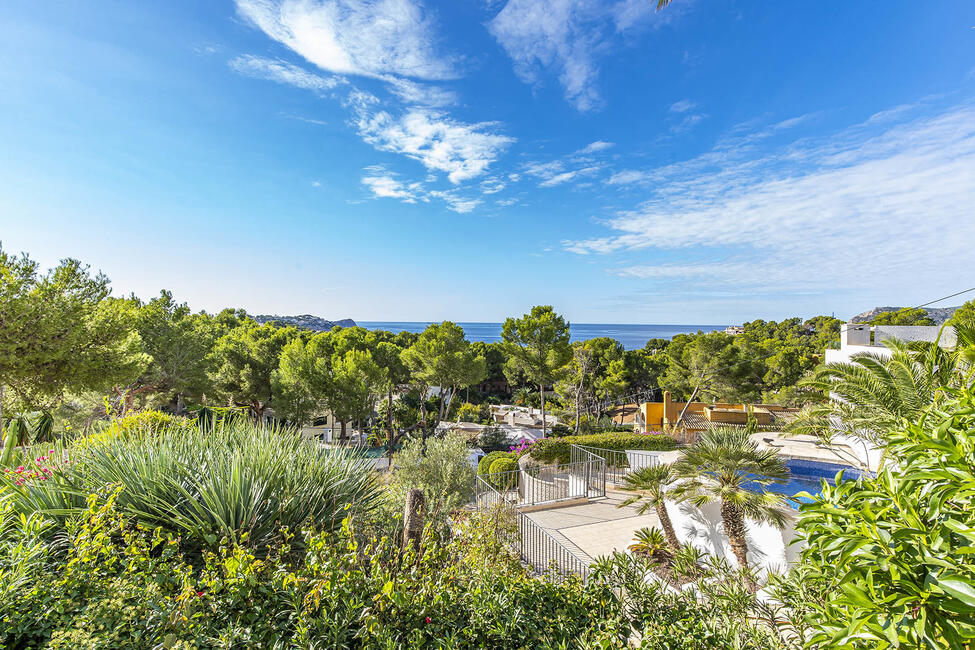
x=396, y=160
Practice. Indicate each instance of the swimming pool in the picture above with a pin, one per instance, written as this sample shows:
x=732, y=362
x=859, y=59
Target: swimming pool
x=805, y=476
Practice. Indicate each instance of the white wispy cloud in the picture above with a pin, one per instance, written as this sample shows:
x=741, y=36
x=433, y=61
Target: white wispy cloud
x=283, y=72
x=877, y=204
x=565, y=177
x=372, y=38
x=383, y=183
x=682, y=106
x=419, y=94
x=567, y=37
x=462, y=151
x=596, y=147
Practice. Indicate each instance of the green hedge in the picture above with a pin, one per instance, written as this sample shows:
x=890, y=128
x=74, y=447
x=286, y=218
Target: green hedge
x=484, y=465
x=501, y=476
x=552, y=450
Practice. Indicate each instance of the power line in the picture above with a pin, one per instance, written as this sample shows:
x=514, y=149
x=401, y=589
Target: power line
x=945, y=298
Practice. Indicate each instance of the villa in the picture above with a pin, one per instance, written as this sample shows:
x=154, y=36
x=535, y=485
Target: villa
x=861, y=338
x=694, y=417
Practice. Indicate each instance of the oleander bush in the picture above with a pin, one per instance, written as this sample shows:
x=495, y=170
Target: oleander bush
x=117, y=584
x=895, y=555
x=557, y=450
x=239, y=482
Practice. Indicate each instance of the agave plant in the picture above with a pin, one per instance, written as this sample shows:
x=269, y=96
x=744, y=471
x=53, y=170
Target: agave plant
x=725, y=465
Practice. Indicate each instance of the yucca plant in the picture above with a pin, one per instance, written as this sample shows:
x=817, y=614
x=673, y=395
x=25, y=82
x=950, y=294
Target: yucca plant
x=238, y=481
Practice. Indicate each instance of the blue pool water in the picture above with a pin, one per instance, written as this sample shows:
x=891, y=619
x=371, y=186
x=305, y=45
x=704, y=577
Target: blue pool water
x=806, y=476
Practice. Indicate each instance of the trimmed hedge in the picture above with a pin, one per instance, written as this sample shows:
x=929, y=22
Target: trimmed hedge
x=504, y=481
x=484, y=465
x=556, y=450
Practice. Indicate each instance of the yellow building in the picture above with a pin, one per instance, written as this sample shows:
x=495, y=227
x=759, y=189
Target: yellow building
x=701, y=416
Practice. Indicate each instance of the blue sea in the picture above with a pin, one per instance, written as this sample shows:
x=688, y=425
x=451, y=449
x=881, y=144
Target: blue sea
x=631, y=336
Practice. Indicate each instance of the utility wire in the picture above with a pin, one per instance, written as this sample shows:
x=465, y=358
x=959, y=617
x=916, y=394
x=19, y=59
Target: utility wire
x=945, y=298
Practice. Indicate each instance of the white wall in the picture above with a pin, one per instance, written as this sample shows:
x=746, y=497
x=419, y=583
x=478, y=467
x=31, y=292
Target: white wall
x=769, y=547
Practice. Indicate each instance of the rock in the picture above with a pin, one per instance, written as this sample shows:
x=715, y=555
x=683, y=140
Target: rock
x=938, y=314
x=305, y=321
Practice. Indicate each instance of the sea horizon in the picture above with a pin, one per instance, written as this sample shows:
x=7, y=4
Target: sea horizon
x=631, y=335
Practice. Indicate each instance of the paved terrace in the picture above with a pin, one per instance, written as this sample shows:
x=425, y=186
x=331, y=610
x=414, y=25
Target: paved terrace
x=595, y=528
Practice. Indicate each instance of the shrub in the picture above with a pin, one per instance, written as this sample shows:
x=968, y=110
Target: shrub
x=507, y=480
x=557, y=450
x=492, y=438
x=484, y=465
x=559, y=430
x=441, y=468
x=888, y=551
x=148, y=422
x=240, y=481
x=118, y=586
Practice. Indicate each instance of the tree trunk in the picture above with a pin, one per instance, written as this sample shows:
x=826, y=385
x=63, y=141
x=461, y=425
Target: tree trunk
x=734, y=527
x=541, y=389
x=413, y=519
x=342, y=432
x=667, y=525
x=1, y=404
x=389, y=425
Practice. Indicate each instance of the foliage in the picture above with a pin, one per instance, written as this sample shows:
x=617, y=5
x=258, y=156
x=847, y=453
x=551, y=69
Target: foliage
x=502, y=473
x=593, y=376
x=61, y=331
x=477, y=413
x=650, y=487
x=964, y=314
x=440, y=467
x=903, y=316
x=726, y=465
x=244, y=361
x=121, y=586
x=895, y=553
x=238, y=481
x=874, y=393
x=353, y=386
x=301, y=381
x=557, y=450
x=178, y=343
x=484, y=464
x=538, y=347
x=442, y=357
x=492, y=438
x=141, y=423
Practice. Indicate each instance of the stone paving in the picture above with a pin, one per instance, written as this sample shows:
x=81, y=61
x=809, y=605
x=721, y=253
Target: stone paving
x=595, y=528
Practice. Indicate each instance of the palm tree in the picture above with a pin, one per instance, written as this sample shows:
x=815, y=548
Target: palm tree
x=872, y=395
x=650, y=484
x=725, y=465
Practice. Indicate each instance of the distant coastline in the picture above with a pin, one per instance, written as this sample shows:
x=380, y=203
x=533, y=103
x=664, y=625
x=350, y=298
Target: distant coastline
x=630, y=336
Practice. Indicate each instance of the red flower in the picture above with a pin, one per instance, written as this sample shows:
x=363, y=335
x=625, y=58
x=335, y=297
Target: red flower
x=428, y=620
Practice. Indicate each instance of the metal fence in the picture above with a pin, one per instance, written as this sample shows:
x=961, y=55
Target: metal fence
x=618, y=464
x=545, y=554
x=538, y=548
x=584, y=478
